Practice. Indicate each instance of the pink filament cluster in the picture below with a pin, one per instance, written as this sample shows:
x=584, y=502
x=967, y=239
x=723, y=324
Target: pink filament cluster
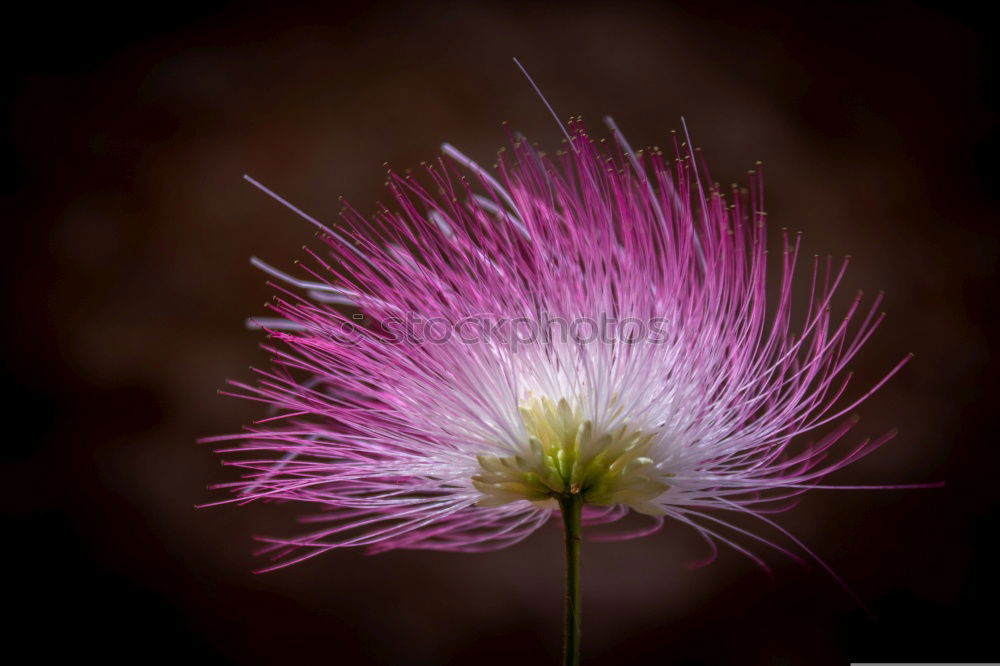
x=382, y=436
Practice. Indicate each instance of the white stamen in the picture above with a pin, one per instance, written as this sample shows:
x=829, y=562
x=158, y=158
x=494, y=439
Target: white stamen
x=489, y=205
x=335, y=299
x=274, y=324
x=402, y=256
x=453, y=152
x=545, y=102
x=285, y=277
x=298, y=211
x=442, y=223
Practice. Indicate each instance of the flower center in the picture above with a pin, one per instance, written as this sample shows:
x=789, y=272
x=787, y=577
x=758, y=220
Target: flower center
x=566, y=455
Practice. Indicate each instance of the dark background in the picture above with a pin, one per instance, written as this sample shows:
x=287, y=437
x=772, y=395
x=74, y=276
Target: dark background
x=126, y=236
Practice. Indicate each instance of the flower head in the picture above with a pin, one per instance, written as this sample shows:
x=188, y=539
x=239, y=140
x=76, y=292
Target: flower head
x=595, y=324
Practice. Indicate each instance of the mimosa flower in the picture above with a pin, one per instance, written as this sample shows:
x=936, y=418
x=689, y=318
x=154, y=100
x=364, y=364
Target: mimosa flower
x=411, y=418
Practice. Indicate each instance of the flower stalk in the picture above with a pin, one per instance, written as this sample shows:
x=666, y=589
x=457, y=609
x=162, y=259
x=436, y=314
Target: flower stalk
x=571, y=505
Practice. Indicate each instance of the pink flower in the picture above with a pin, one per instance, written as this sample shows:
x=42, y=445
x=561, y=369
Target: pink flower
x=592, y=325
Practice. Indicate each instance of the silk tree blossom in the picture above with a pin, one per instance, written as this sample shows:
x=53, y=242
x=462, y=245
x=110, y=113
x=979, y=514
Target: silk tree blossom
x=740, y=402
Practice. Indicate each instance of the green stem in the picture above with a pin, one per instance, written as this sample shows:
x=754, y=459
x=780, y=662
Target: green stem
x=572, y=507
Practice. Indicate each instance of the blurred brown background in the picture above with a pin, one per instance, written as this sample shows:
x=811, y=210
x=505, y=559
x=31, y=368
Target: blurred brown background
x=128, y=231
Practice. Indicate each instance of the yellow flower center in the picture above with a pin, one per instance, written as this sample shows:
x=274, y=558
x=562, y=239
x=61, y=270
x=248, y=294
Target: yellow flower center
x=566, y=455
